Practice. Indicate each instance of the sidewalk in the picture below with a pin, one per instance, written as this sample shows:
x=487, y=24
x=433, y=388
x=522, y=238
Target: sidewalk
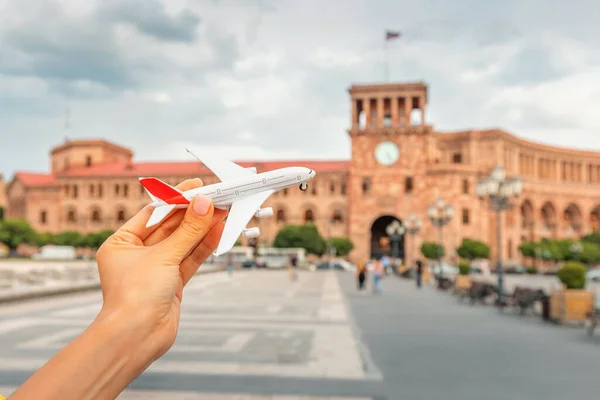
x=429, y=346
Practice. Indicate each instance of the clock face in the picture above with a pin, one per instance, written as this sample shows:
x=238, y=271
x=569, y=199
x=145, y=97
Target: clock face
x=387, y=153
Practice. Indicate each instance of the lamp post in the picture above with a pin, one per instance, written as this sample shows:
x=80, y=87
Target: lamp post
x=395, y=231
x=440, y=213
x=411, y=225
x=499, y=189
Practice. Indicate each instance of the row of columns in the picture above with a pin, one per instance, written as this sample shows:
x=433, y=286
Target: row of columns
x=566, y=171
x=376, y=109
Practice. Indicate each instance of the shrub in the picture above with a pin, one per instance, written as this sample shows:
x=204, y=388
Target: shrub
x=464, y=268
x=572, y=275
x=532, y=271
x=471, y=249
x=432, y=251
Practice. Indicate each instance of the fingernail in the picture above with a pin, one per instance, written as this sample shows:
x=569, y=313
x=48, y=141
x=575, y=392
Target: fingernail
x=201, y=204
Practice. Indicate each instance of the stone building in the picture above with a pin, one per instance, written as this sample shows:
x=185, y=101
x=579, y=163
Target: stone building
x=399, y=164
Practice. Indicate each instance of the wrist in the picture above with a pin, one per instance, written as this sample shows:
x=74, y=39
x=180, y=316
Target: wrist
x=132, y=332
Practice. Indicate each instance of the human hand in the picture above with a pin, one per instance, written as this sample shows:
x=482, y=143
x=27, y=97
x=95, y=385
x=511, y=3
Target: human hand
x=143, y=270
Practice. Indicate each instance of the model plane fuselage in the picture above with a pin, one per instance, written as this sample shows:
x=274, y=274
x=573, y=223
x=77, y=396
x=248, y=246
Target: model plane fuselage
x=224, y=194
x=241, y=191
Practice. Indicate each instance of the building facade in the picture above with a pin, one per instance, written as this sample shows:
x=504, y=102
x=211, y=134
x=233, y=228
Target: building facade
x=399, y=165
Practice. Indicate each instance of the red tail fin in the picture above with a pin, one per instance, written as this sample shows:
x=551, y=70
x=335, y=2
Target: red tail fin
x=162, y=191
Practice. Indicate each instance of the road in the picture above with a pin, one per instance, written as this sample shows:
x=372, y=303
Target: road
x=257, y=334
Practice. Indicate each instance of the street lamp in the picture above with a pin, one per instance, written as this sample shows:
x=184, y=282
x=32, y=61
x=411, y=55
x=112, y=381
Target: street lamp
x=499, y=189
x=440, y=213
x=411, y=225
x=395, y=231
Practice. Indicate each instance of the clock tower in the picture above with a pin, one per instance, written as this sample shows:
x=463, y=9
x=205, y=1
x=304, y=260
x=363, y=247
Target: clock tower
x=391, y=148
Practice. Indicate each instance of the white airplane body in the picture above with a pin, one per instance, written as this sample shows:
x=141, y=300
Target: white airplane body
x=242, y=191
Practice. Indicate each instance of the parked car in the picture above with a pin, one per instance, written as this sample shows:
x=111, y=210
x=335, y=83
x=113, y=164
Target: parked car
x=515, y=270
x=253, y=264
x=337, y=264
x=446, y=270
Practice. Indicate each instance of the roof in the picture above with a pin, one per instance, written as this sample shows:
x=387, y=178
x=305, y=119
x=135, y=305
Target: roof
x=124, y=169
x=90, y=142
x=501, y=134
x=35, y=179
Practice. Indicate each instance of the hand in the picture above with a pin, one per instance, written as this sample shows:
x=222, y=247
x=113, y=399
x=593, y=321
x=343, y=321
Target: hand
x=143, y=270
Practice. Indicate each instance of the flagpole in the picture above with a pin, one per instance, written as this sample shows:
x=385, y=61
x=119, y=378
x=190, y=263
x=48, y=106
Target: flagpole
x=386, y=67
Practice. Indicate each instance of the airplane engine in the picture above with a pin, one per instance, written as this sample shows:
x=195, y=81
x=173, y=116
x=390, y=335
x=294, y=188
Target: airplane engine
x=264, y=212
x=251, y=232
x=303, y=186
x=253, y=169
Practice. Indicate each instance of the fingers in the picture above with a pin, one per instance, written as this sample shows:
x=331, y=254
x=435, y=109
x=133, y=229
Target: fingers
x=194, y=226
x=136, y=226
x=189, y=266
x=172, y=223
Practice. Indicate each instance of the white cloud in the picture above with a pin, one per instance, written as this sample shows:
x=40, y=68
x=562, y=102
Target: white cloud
x=268, y=79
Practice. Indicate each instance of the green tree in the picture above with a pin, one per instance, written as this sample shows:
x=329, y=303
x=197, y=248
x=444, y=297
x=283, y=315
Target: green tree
x=471, y=249
x=593, y=237
x=14, y=232
x=342, y=245
x=304, y=236
x=94, y=240
x=432, y=251
x=528, y=249
x=67, y=238
x=44, y=239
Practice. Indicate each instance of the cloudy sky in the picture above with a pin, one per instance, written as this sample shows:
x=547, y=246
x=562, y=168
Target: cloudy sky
x=268, y=79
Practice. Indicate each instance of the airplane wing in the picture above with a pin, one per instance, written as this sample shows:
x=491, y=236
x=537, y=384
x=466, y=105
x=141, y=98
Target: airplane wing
x=239, y=215
x=223, y=169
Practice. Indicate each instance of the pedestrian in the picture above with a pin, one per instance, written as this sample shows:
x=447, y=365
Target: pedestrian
x=361, y=275
x=230, y=264
x=378, y=271
x=386, y=264
x=419, y=273
x=293, y=264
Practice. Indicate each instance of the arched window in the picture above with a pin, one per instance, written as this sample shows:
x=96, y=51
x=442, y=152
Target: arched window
x=71, y=216
x=125, y=190
x=92, y=189
x=332, y=187
x=121, y=216
x=117, y=189
x=96, y=216
x=337, y=216
x=88, y=161
x=366, y=186
x=280, y=215
x=343, y=188
x=43, y=217
x=309, y=216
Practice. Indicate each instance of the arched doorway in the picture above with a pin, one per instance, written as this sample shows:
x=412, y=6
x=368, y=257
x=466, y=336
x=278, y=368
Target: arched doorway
x=380, y=242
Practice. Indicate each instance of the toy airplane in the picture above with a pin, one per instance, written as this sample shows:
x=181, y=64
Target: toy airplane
x=242, y=191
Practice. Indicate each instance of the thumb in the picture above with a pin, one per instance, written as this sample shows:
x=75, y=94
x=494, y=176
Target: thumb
x=195, y=225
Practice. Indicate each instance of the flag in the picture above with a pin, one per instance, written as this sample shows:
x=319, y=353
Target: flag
x=389, y=35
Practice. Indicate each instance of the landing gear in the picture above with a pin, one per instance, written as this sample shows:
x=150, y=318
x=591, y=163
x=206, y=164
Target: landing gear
x=303, y=186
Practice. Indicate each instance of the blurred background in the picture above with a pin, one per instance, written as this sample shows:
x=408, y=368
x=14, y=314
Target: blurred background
x=448, y=247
